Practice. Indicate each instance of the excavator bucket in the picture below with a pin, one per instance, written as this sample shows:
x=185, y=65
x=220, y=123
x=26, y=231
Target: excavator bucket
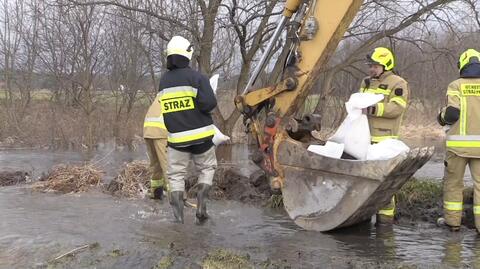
x=323, y=194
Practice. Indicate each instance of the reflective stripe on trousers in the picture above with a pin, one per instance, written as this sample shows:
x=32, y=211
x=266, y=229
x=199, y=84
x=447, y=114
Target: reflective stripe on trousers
x=476, y=210
x=453, y=206
x=389, y=210
x=378, y=139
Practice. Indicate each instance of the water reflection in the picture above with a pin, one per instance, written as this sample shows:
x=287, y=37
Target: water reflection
x=35, y=227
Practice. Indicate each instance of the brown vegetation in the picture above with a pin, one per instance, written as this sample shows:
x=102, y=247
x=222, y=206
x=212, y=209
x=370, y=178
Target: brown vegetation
x=133, y=181
x=12, y=178
x=78, y=50
x=70, y=178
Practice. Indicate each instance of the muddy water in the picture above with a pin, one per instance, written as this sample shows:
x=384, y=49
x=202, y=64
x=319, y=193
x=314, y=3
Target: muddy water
x=35, y=228
x=39, y=161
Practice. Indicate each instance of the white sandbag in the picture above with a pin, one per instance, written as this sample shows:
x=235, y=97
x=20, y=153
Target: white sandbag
x=362, y=100
x=343, y=129
x=387, y=149
x=354, y=131
x=219, y=138
x=214, y=82
x=330, y=149
x=357, y=138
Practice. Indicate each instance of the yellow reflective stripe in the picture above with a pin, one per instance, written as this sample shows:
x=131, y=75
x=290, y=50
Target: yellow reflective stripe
x=155, y=124
x=470, y=89
x=380, y=109
x=387, y=212
x=176, y=92
x=191, y=135
x=453, y=206
x=378, y=91
x=476, y=210
x=400, y=101
x=156, y=183
x=173, y=95
x=463, y=144
x=378, y=139
x=463, y=116
x=453, y=93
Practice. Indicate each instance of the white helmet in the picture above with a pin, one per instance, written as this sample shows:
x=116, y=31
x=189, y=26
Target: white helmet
x=180, y=46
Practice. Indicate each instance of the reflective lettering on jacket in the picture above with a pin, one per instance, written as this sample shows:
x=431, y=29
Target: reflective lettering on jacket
x=463, y=138
x=176, y=99
x=177, y=104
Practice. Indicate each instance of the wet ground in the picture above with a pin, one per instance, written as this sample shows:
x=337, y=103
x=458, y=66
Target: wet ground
x=35, y=228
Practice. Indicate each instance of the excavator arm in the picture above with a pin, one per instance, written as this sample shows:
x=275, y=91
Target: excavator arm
x=317, y=28
x=319, y=193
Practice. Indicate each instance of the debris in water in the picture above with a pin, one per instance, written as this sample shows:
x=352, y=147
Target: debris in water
x=70, y=178
x=164, y=263
x=225, y=259
x=116, y=253
x=275, y=201
x=133, y=181
x=72, y=252
x=13, y=178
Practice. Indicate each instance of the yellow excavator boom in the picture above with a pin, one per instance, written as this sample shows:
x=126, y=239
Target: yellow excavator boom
x=319, y=193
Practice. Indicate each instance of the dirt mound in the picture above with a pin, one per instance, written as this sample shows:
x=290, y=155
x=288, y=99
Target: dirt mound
x=132, y=182
x=70, y=178
x=229, y=184
x=421, y=200
x=12, y=178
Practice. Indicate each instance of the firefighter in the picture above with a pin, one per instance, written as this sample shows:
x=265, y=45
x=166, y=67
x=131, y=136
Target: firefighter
x=462, y=116
x=155, y=135
x=187, y=100
x=385, y=117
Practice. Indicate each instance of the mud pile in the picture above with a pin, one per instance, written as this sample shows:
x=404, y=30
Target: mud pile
x=229, y=184
x=8, y=178
x=132, y=182
x=70, y=179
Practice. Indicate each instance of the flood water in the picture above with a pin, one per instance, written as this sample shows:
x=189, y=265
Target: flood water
x=37, y=227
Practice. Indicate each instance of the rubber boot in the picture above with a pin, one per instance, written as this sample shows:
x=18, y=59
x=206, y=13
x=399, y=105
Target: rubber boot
x=384, y=220
x=156, y=193
x=202, y=194
x=176, y=200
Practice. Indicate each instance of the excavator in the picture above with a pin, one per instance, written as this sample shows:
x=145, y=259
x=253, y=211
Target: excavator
x=319, y=193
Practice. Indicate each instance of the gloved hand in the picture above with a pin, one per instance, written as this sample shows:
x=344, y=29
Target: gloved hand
x=371, y=110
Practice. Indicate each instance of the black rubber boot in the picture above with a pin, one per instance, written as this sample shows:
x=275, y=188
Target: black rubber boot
x=157, y=194
x=176, y=200
x=202, y=195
